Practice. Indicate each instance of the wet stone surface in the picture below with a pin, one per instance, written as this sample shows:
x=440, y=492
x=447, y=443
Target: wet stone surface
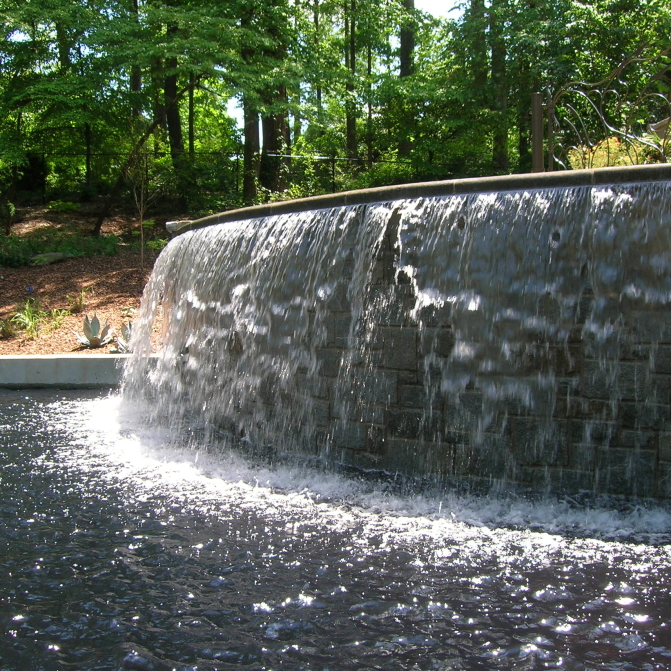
x=121, y=550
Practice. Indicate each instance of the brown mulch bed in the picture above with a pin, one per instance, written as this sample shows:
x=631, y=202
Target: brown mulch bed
x=113, y=286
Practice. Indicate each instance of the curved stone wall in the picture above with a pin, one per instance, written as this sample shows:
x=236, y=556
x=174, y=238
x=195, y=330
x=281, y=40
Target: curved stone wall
x=518, y=337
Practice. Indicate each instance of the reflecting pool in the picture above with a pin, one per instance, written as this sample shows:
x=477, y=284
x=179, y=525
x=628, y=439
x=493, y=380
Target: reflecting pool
x=126, y=548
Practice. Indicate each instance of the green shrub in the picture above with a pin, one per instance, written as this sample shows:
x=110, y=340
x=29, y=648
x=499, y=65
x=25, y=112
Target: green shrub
x=63, y=206
x=16, y=251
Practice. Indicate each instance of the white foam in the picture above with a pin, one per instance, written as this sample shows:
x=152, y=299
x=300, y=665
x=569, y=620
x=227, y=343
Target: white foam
x=155, y=461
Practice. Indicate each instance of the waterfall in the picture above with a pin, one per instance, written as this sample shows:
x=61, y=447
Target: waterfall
x=515, y=336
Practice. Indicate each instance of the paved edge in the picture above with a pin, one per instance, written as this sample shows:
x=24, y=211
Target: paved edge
x=537, y=180
x=61, y=371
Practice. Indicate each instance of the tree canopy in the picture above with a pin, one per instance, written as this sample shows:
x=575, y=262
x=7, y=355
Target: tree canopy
x=335, y=94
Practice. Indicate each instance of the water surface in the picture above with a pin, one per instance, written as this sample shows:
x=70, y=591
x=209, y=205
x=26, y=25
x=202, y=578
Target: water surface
x=122, y=547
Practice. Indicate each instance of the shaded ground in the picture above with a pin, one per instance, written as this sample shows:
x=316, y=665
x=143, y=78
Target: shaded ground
x=113, y=286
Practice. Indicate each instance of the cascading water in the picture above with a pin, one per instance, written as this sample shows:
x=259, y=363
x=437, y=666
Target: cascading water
x=512, y=336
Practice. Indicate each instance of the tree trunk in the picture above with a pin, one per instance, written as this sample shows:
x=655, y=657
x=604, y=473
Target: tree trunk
x=192, y=150
x=63, y=43
x=316, y=46
x=250, y=162
x=158, y=103
x=407, y=41
x=172, y=114
x=369, y=119
x=475, y=25
x=88, y=142
x=350, y=66
x=407, y=68
x=275, y=143
x=136, y=72
x=499, y=90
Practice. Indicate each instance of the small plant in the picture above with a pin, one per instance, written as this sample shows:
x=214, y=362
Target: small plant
x=55, y=318
x=95, y=335
x=157, y=245
x=128, y=312
x=7, y=328
x=63, y=206
x=123, y=340
x=29, y=317
x=78, y=302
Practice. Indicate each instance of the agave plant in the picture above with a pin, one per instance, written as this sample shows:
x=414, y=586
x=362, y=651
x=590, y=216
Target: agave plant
x=94, y=335
x=123, y=340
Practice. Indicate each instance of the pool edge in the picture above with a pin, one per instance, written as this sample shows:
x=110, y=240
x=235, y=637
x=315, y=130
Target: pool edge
x=61, y=371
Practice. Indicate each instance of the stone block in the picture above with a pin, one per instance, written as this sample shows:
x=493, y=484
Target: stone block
x=399, y=348
x=592, y=408
x=404, y=423
x=585, y=307
x=661, y=358
x=563, y=480
x=582, y=458
x=490, y=458
x=539, y=443
x=408, y=377
x=664, y=482
x=641, y=353
x=347, y=270
x=352, y=436
x=436, y=341
x=660, y=388
x=641, y=416
x=321, y=413
x=591, y=432
x=412, y=396
x=338, y=299
x=665, y=446
x=650, y=327
x=329, y=361
x=365, y=461
x=637, y=439
x=342, y=323
x=391, y=305
x=404, y=456
x=380, y=387
x=357, y=411
x=311, y=385
x=463, y=412
x=598, y=381
x=632, y=380
x=625, y=472
x=268, y=389
x=375, y=440
x=432, y=316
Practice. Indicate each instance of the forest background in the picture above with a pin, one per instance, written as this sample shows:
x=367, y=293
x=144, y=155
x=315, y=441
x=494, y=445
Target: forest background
x=130, y=98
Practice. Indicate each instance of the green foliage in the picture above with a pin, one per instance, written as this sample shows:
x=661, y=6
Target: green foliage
x=30, y=318
x=81, y=81
x=63, y=206
x=157, y=245
x=7, y=328
x=78, y=302
x=17, y=251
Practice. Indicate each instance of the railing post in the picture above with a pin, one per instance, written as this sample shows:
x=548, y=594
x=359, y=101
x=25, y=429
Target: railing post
x=537, y=132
